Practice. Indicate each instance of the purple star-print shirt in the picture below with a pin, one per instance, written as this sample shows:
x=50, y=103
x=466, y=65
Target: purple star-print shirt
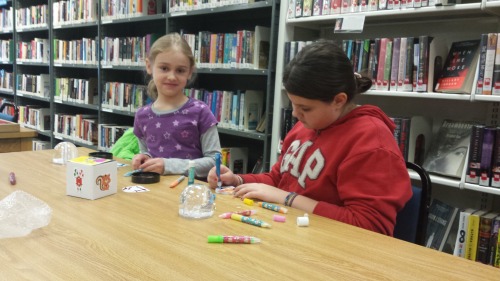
x=174, y=134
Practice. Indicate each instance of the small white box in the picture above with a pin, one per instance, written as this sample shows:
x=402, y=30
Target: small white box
x=90, y=177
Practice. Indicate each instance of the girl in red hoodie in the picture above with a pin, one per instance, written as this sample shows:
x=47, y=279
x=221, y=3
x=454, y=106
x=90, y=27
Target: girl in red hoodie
x=340, y=160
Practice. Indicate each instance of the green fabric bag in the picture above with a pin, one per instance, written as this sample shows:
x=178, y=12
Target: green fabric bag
x=126, y=146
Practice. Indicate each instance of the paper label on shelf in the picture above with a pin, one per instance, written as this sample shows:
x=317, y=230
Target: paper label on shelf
x=349, y=24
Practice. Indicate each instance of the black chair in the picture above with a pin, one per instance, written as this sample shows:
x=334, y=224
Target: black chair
x=9, y=117
x=411, y=221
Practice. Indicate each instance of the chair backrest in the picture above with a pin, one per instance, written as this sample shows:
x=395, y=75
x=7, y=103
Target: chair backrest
x=411, y=221
x=9, y=117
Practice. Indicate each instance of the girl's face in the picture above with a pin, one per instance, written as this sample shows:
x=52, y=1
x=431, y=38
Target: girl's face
x=170, y=71
x=315, y=114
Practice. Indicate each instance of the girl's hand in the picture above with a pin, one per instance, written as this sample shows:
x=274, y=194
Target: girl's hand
x=156, y=165
x=138, y=160
x=261, y=191
x=227, y=176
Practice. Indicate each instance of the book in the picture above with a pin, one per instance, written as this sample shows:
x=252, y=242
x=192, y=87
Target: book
x=261, y=47
x=459, y=68
x=419, y=138
x=463, y=226
x=495, y=161
x=448, y=150
x=475, y=150
x=483, y=243
x=473, y=234
x=482, y=61
x=489, y=63
x=235, y=158
x=495, y=227
x=486, y=156
x=449, y=244
x=253, y=109
x=440, y=220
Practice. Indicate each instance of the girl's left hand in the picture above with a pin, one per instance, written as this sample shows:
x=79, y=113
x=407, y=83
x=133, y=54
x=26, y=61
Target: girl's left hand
x=261, y=191
x=153, y=165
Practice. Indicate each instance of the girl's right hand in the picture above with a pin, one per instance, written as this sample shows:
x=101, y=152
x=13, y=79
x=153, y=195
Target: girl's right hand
x=138, y=160
x=227, y=176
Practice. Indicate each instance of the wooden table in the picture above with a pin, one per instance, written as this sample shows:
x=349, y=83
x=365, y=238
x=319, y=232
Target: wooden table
x=140, y=236
x=17, y=141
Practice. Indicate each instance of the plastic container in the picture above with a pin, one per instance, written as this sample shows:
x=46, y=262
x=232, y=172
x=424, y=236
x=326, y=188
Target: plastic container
x=63, y=152
x=196, y=202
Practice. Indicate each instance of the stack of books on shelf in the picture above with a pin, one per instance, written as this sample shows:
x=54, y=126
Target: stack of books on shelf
x=469, y=233
x=488, y=76
x=483, y=165
x=245, y=49
x=34, y=117
x=80, y=127
x=241, y=110
x=311, y=8
x=114, y=9
x=71, y=12
x=76, y=90
x=124, y=96
x=108, y=134
x=235, y=158
x=40, y=145
x=413, y=135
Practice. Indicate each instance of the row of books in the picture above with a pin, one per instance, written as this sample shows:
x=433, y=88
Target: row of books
x=37, y=85
x=238, y=110
x=80, y=127
x=243, y=49
x=118, y=50
x=124, y=96
x=6, y=23
x=469, y=233
x=308, y=8
x=36, y=50
x=78, y=51
x=483, y=165
x=108, y=134
x=76, y=90
x=6, y=49
x=6, y=80
x=34, y=117
x=185, y=5
x=32, y=17
x=488, y=76
x=40, y=145
x=114, y=9
x=73, y=11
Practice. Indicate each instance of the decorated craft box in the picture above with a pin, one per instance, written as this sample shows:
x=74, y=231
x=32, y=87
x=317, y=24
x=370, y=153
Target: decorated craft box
x=90, y=177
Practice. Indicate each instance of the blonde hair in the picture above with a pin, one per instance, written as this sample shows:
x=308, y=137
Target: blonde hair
x=164, y=44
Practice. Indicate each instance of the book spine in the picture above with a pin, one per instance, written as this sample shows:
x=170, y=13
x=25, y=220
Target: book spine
x=495, y=165
x=474, y=163
x=387, y=66
x=463, y=225
x=393, y=85
x=490, y=63
x=482, y=60
x=472, y=237
x=410, y=62
x=483, y=243
x=423, y=63
x=486, y=155
x=495, y=226
x=496, y=70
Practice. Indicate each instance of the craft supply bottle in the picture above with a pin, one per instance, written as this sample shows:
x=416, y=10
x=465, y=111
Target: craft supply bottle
x=191, y=172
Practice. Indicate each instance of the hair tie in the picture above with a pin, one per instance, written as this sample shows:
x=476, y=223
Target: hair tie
x=357, y=75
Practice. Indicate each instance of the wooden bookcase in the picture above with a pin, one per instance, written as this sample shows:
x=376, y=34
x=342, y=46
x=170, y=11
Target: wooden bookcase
x=446, y=24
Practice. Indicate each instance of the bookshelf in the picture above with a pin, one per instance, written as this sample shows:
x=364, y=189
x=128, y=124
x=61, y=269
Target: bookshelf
x=446, y=24
x=85, y=54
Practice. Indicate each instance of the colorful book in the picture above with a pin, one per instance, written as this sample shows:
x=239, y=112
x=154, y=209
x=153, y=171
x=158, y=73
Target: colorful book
x=473, y=234
x=482, y=60
x=490, y=63
x=463, y=226
x=486, y=156
x=495, y=161
x=483, y=243
x=459, y=68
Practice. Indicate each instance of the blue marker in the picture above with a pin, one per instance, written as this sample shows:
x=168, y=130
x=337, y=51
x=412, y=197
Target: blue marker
x=217, y=169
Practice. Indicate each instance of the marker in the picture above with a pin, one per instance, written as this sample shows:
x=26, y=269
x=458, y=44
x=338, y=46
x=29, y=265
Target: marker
x=250, y=220
x=217, y=169
x=177, y=181
x=129, y=174
x=233, y=239
x=243, y=213
x=273, y=207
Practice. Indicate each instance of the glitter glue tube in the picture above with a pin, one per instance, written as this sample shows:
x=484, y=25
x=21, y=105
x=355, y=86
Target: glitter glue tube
x=191, y=172
x=250, y=220
x=273, y=207
x=233, y=239
x=243, y=213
